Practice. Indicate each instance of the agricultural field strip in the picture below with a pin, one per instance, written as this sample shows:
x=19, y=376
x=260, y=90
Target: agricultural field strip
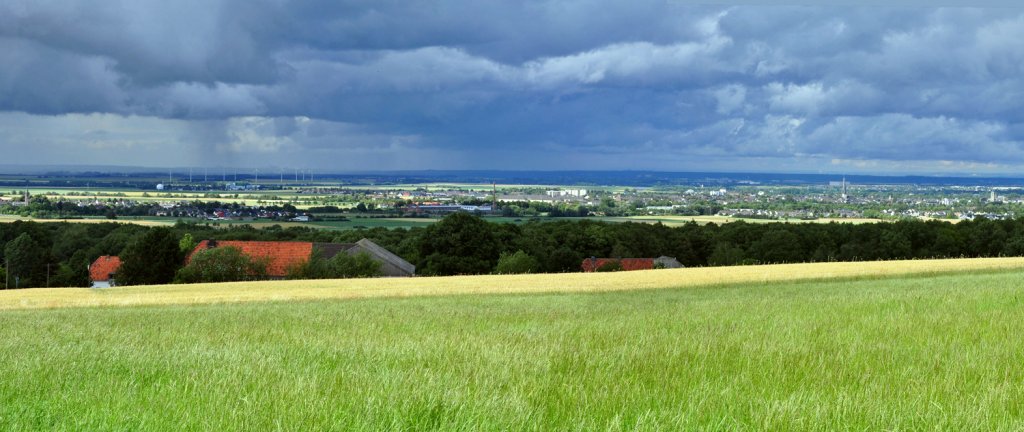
x=489, y=284
x=145, y=222
x=414, y=222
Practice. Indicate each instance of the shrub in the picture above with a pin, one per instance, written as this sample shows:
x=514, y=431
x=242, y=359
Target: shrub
x=340, y=266
x=516, y=263
x=222, y=264
x=610, y=266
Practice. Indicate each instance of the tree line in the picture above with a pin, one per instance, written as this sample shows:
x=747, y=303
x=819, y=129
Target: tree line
x=58, y=254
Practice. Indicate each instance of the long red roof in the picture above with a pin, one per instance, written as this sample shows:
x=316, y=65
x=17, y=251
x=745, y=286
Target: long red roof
x=103, y=267
x=592, y=264
x=281, y=256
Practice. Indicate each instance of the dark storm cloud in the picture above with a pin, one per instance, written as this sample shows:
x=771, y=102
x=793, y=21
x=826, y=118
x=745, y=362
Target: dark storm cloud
x=671, y=84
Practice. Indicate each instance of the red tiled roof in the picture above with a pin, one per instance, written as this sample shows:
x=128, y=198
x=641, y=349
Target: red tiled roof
x=103, y=267
x=592, y=264
x=282, y=256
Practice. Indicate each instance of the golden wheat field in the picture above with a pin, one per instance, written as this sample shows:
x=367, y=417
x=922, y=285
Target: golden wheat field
x=293, y=290
x=143, y=222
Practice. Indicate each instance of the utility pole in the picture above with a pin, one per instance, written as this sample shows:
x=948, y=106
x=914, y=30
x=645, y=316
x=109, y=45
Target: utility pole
x=7, y=273
x=47, y=275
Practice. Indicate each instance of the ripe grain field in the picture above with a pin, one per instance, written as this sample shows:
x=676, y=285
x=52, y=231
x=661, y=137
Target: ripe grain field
x=297, y=290
x=912, y=350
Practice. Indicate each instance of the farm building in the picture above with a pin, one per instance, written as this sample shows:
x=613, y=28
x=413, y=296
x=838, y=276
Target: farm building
x=102, y=271
x=284, y=256
x=629, y=264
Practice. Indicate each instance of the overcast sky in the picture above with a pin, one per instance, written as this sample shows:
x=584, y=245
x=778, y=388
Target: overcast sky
x=765, y=86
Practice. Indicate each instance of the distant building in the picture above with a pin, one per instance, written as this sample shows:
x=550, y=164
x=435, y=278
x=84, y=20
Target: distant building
x=667, y=262
x=443, y=208
x=160, y=186
x=578, y=193
x=630, y=264
x=102, y=271
x=241, y=187
x=845, y=197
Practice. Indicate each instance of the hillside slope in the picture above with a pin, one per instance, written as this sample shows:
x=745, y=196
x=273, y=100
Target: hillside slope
x=432, y=286
x=924, y=352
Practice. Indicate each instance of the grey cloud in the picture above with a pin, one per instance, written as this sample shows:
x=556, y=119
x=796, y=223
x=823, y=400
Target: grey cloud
x=151, y=42
x=35, y=78
x=582, y=78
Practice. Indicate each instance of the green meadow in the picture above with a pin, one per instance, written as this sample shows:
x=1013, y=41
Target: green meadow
x=901, y=353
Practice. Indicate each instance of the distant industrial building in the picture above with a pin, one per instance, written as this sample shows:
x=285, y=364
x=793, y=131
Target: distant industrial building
x=578, y=193
x=452, y=208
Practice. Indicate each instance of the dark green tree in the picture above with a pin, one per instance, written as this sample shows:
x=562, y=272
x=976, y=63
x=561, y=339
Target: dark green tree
x=71, y=275
x=726, y=254
x=26, y=262
x=150, y=259
x=777, y=246
x=460, y=243
x=893, y=245
x=563, y=260
x=73, y=238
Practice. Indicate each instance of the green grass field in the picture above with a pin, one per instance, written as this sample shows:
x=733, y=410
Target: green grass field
x=910, y=352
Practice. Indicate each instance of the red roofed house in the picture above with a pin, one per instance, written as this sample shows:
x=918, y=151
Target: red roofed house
x=102, y=271
x=628, y=264
x=280, y=256
x=284, y=256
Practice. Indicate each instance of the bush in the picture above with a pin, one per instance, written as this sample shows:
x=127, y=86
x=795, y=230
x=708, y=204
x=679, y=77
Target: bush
x=516, y=263
x=221, y=264
x=610, y=266
x=341, y=266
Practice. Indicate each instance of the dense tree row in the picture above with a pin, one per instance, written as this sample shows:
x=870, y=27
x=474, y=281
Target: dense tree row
x=58, y=254
x=40, y=206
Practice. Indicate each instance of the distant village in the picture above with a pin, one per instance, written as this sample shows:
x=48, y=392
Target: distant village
x=248, y=201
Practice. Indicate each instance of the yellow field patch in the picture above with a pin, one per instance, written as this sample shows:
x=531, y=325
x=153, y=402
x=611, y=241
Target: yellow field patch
x=9, y=218
x=489, y=284
x=680, y=220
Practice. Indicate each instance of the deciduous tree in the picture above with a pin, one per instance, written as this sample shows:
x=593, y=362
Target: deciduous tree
x=26, y=262
x=151, y=258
